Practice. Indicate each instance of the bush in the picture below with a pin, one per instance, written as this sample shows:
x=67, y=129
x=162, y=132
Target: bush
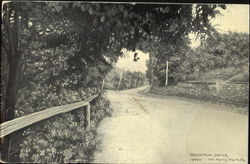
x=235, y=94
x=63, y=138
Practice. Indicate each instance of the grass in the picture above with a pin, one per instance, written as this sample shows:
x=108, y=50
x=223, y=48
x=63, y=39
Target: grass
x=230, y=94
x=223, y=74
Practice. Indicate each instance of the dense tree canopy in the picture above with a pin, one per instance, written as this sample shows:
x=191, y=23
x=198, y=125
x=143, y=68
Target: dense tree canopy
x=58, y=52
x=160, y=53
x=217, y=51
x=95, y=42
x=228, y=49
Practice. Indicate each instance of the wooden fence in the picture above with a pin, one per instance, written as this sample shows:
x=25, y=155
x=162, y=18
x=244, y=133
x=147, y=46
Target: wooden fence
x=11, y=126
x=212, y=82
x=231, y=80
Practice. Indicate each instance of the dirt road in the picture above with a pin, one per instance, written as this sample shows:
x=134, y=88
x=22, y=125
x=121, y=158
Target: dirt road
x=155, y=130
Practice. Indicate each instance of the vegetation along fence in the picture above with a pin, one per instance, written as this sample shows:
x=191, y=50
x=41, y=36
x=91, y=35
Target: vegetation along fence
x=11, y=126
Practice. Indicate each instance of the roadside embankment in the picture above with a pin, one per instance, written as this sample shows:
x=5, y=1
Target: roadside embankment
x=229, y=94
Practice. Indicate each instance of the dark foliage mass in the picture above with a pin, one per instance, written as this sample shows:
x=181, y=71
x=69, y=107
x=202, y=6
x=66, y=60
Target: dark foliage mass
x=56, y=53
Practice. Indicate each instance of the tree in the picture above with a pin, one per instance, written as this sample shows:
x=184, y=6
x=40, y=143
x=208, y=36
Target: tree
x=218, y=51
x=159, y=54
x=12, y=50
x=175, y=48
x=59, y=52
x=228, y=49
x=112, y=26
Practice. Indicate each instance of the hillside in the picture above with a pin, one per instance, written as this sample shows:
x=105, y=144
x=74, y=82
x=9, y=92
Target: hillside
x=237, y=74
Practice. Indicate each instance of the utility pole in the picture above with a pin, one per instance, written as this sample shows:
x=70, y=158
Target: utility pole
x=120, y=80
x=103, y=81
x=130, y=81
x=167, y=73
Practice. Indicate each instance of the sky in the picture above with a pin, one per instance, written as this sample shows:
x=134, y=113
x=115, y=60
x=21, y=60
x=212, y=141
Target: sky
x=235, y=18
x=127, y=62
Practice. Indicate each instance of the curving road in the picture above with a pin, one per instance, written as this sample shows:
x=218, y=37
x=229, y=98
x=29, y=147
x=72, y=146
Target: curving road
x=155, y=130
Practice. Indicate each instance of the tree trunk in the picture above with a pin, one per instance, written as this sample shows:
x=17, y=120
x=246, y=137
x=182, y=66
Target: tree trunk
x=11, y=90
x=10, y=102
x=120, y=80
x=13, y=55
x=130, y=81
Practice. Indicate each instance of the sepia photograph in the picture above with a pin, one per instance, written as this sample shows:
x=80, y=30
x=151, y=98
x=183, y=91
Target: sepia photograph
x=124, y=82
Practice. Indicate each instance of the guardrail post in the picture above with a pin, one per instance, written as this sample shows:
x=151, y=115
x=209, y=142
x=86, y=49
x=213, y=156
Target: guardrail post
x=87, y=117
x=219, y=85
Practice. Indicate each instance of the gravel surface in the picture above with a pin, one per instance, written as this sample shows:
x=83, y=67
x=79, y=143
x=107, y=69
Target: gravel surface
x=146, y=129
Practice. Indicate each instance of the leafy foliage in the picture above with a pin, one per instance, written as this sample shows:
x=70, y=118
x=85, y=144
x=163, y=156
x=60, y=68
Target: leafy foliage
x=218, y=51
x=160, y=53
x=230, y=49
x=64, y=50
x=63, y=138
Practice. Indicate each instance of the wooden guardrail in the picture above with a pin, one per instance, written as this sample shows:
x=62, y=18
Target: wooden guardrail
x=11, y=126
